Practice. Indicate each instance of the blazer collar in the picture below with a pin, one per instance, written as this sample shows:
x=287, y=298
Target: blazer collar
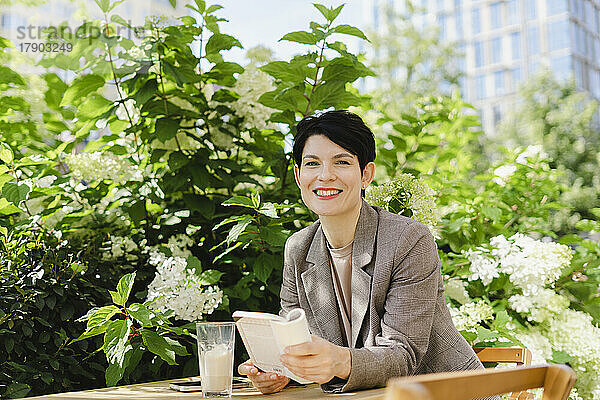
x=364, y=240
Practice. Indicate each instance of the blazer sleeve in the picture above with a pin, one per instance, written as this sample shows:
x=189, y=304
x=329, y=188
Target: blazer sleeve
x=407, y=316
x=289, y=290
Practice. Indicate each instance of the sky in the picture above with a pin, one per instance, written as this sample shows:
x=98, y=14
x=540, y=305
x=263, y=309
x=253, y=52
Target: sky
x=256, y=22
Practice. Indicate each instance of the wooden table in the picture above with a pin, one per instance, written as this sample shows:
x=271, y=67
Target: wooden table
x=160, y=390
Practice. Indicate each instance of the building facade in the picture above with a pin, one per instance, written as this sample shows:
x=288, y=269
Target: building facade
x=506, y=41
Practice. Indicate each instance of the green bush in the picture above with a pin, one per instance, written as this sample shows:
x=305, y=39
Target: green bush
x=44, y=288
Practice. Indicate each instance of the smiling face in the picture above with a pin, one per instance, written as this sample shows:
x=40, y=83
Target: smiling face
x=330, y=179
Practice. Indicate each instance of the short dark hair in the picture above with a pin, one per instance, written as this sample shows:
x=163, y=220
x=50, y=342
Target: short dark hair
x=343, y=128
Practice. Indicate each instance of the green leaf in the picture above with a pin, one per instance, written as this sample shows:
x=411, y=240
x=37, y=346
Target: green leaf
x=238, y=229
x=274, y=235
x=329, y=13
x=287, y=72
x=6, y=153
x=8, y=76
x=166, y=128
x=100, y=315
x=16, y=390
x=177, y=160
x=561, y=357
x=177, y=347
x=269, y=210
x=201, y=4
x=173, y=3
x=116, y=342
x=14, y=192
x=159, y=346
x=349, y=30
x=137, y=211
x=492, y=213
x=142, y=314
x=193, y=263
x=81, y=87
x=300, y=37
x=123, y=289
x=239, y=201
x=264, y=266
x=104, y=5
x=213, y=8
x=220, y=41
x=210, y=276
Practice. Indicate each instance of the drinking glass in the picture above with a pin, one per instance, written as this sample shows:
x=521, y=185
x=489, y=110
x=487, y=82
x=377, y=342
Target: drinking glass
x=215, y=357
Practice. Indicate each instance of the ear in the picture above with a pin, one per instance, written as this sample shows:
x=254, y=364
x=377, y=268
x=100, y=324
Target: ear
x=368, y=174
x=297, y=175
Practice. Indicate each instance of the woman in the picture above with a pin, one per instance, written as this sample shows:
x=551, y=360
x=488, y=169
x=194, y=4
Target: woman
x=369, y=280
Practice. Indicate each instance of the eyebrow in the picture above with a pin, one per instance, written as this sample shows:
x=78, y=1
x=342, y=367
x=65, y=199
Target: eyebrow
x=340, y=155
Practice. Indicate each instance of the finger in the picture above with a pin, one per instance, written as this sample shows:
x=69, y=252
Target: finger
x=247, y=368
x=302, y=361
x=303, y=349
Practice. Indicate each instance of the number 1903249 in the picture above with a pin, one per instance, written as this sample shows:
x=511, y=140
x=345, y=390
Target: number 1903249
x=46, y=47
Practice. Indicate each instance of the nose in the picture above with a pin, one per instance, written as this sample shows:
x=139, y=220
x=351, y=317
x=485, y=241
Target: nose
x=326, y=173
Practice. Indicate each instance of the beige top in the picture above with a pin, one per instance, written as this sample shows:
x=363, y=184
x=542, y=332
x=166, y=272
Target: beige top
x=341, y=270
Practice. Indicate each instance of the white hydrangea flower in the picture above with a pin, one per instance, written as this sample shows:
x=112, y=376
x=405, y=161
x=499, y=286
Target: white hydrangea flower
x=250, y=85
x=102, y=165
x=179, y=289
x=455, y=288
x=469, y=315
x=533, y=151
x=179, y=244
x=503, y=174
x=121, y=247
x=531, y=264
x=543, y=306
x=413, y=193
x=482, y=266
x=127, y=110
x=537, y=343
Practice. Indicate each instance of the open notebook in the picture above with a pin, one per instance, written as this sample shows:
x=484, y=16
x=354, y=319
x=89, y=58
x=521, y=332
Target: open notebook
x=266, y=335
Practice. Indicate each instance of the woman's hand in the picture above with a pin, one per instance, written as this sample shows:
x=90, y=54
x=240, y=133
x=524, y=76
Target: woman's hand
x=266, y=382
x=318, y=361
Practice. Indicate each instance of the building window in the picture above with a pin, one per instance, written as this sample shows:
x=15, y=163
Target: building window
x=480, y=87
x=595, y=83
x=496, y=115
x=589, y=14
x=512, y=12
x=561, y=67
x=459, y=24
x=533, y=39
x=515, y=44
x=457, y=4
x=579, y=38
x=496, y=15
x=558, y=35
x=441, y=19
x=515, y=75
x=534, y=65
x=554, y=7
x=496, y=49
x=461, y=59
x=476, y=20
x=578, y=71
x=530, y=9
x=498, y=83
x=478, y=50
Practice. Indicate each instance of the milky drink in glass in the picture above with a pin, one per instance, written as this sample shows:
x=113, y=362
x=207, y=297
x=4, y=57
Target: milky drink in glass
x=215, y=355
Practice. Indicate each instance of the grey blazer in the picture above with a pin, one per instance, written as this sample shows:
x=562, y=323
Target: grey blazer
x=400, y=323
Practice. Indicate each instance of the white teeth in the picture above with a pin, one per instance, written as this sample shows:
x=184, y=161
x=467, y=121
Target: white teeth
x=326, y=193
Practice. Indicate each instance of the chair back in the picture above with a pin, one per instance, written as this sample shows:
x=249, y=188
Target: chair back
x=556, y=380
x=518, y=355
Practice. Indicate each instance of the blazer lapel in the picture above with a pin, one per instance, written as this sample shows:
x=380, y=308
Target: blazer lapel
x=318, y=285
x=362, y=254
